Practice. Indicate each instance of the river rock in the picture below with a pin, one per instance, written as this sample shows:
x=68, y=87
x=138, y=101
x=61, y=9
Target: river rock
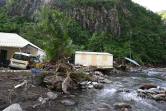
x=165, y=77
x=147, y=86
x=123, y=90
x=163, y=89
x=68, y=102
x=98, y=86
x=90, y=86
x=13, y=107
x=84, y=83
x=52, y=95
x=94, y=83
x=99, y=73
x=153, y=91
x=121, y=105
x=40, y=99
x=94, y=78
x=160, y=97
x=103, y=107
x=106, y=81
x=141, y=91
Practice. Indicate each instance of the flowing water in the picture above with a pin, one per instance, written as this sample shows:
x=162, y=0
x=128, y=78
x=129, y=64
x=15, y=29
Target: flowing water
x=89, y=100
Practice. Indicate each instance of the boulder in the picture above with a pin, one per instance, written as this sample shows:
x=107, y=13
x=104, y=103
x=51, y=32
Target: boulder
x=95, y=78
x=68, y=102
x=147, y=86
x=153, y=91
x=103, y=107
x=165, y=77
x=163, y=89
x=52, y=95
x=141, y=91
x=123, y=90
x=13, y=107
x=121, y=105
x=106, y=81
x=90, y=86
x=160, y=97
x=95, y=83
x=98, y=86
x=98, y=73
x=37, y=80
x=84, y=83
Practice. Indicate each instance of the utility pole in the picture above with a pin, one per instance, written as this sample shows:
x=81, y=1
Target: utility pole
x=130, y=50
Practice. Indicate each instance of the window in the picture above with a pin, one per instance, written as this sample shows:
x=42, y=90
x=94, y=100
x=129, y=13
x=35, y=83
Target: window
x=20, y=57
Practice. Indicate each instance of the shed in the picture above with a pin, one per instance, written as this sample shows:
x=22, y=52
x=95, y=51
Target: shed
x=98, y=59
x=11, y=42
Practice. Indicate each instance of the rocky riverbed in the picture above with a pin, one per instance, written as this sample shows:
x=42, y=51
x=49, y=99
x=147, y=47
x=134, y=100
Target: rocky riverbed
x=111, y=92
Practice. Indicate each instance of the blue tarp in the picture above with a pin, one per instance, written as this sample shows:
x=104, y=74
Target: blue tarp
x=134, y=62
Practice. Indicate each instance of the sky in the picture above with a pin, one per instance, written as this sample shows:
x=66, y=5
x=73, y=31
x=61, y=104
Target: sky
x=153, y=5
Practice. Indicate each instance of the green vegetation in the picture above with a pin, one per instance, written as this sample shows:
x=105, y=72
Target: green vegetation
x=162, y=14
x=142, y=32
x=10, y=24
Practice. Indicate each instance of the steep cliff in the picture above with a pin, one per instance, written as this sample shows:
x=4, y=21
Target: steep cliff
x=96, y=16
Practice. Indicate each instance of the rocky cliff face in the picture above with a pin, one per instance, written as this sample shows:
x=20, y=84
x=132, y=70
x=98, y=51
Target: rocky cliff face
x=2, y=3
x=27, y=7
x=97, y=17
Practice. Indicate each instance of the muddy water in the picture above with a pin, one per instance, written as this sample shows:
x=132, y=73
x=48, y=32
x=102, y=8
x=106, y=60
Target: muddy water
x=91, y=99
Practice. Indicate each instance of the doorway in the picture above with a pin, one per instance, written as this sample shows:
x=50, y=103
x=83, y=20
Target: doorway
x=3, y=57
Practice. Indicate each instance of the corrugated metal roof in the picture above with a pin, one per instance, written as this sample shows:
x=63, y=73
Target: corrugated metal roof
x=14, y=40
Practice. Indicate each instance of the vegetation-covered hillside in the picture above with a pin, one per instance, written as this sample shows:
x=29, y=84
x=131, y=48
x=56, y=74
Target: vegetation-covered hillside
x=120, y=27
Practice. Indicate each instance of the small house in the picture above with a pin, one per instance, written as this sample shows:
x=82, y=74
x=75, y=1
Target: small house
x=11, y=42
x=98, y=59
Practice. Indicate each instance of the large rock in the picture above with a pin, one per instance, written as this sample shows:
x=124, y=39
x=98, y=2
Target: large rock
x=147, y=86
x=106, y=81
x=98, y=86
x=153, y=91
x=104, y=107
x=13, y=107
x=52, y=95
x=160, y=97
x=122, y=105
x=68, y=102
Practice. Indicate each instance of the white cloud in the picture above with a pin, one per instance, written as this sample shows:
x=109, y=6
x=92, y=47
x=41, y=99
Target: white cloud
x=154, y=5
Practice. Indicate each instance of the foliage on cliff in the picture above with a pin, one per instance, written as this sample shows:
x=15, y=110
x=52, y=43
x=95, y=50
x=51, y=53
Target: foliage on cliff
x=120, y=27
x=162, y=14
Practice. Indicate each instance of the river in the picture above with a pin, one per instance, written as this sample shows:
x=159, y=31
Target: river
x=90, y=99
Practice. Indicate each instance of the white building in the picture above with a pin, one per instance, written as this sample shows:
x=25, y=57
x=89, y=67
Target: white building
x=99, y=59
x=11, y=42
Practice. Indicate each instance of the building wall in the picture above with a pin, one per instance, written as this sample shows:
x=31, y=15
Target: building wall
x=30, y=49
x=98, y=60
x=10, y=51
